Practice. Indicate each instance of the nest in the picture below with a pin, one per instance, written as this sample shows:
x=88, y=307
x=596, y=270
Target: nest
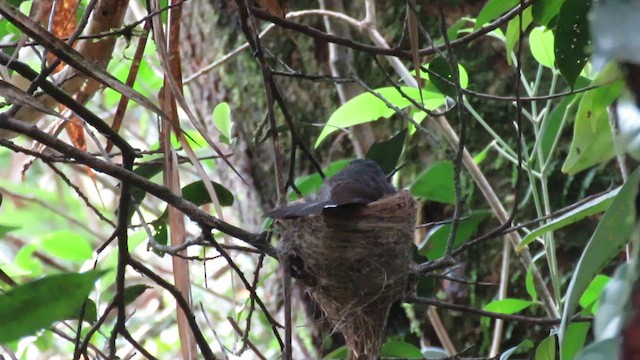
x=355, y=261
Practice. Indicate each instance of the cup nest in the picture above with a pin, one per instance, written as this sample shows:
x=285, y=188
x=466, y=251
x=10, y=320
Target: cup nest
x=356, y=261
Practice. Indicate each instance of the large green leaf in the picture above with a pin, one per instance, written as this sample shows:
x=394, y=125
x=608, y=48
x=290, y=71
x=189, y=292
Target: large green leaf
x=591, y=207
x=611, y=235
x=513, y=31
x=441, y=66
x=589, y=299
x=400, y=349
x=546, y=350
x=507, y=306
x=67, y=245
x=572, y=38
x=541, y=44
x=436, y=183
x=576, y=336
x=492, y=9
x=367, y=107
x=546, y=10
x=435, y=243
x=28, y=308
x=592, y=141
x=552, y=126
x=386, y=153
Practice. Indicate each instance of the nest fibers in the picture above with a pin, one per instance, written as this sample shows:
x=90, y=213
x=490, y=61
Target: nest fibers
x=356, y=261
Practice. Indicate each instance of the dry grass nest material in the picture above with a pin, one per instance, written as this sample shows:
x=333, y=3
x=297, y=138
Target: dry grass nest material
x=356, y=261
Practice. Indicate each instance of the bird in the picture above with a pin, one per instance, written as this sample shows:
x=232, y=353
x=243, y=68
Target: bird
x=360, y=183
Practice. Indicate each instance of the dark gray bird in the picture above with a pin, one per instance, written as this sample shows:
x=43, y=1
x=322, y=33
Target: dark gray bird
x=361, y=182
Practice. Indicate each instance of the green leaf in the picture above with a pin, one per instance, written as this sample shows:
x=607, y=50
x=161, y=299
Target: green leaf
x=387, y=153
x=161, y=234
x=400, y=349
x=441, y=66
x=367, y=107
x=513, y=31
x=592, y=293
x=507, y=306
x=572, y=38
x=339, y=353
x=133, y=292
x=611, y=235
x=575, y=336
x=546, y=10
x=523, y=347
x=482, y=154
x=591, y=207
x=436, y=183
x=552, y=126
x=222, y=121
x=541, y=44
x=197, y=193
x=90, y=312
x=546, y=350
x=25, y=259
x=492, y=9
x=592, y=141
x=16, y=3
x=67, y=245
x=529, y=284
x=311, y=183
x=28, y=308
x=435, y=243
x=4, y=229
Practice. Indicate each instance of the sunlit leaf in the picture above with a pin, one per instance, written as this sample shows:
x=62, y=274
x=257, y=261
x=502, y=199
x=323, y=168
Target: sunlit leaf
x=593, y=291
x=67, y=245
x=513, y=31
x=368, y=107
x=222, y=120
x=541, y=43
x=26, y=260
x=507, y=306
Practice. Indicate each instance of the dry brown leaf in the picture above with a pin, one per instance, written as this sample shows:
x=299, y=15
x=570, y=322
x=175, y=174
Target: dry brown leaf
x=63, y=24
x=274, y=7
